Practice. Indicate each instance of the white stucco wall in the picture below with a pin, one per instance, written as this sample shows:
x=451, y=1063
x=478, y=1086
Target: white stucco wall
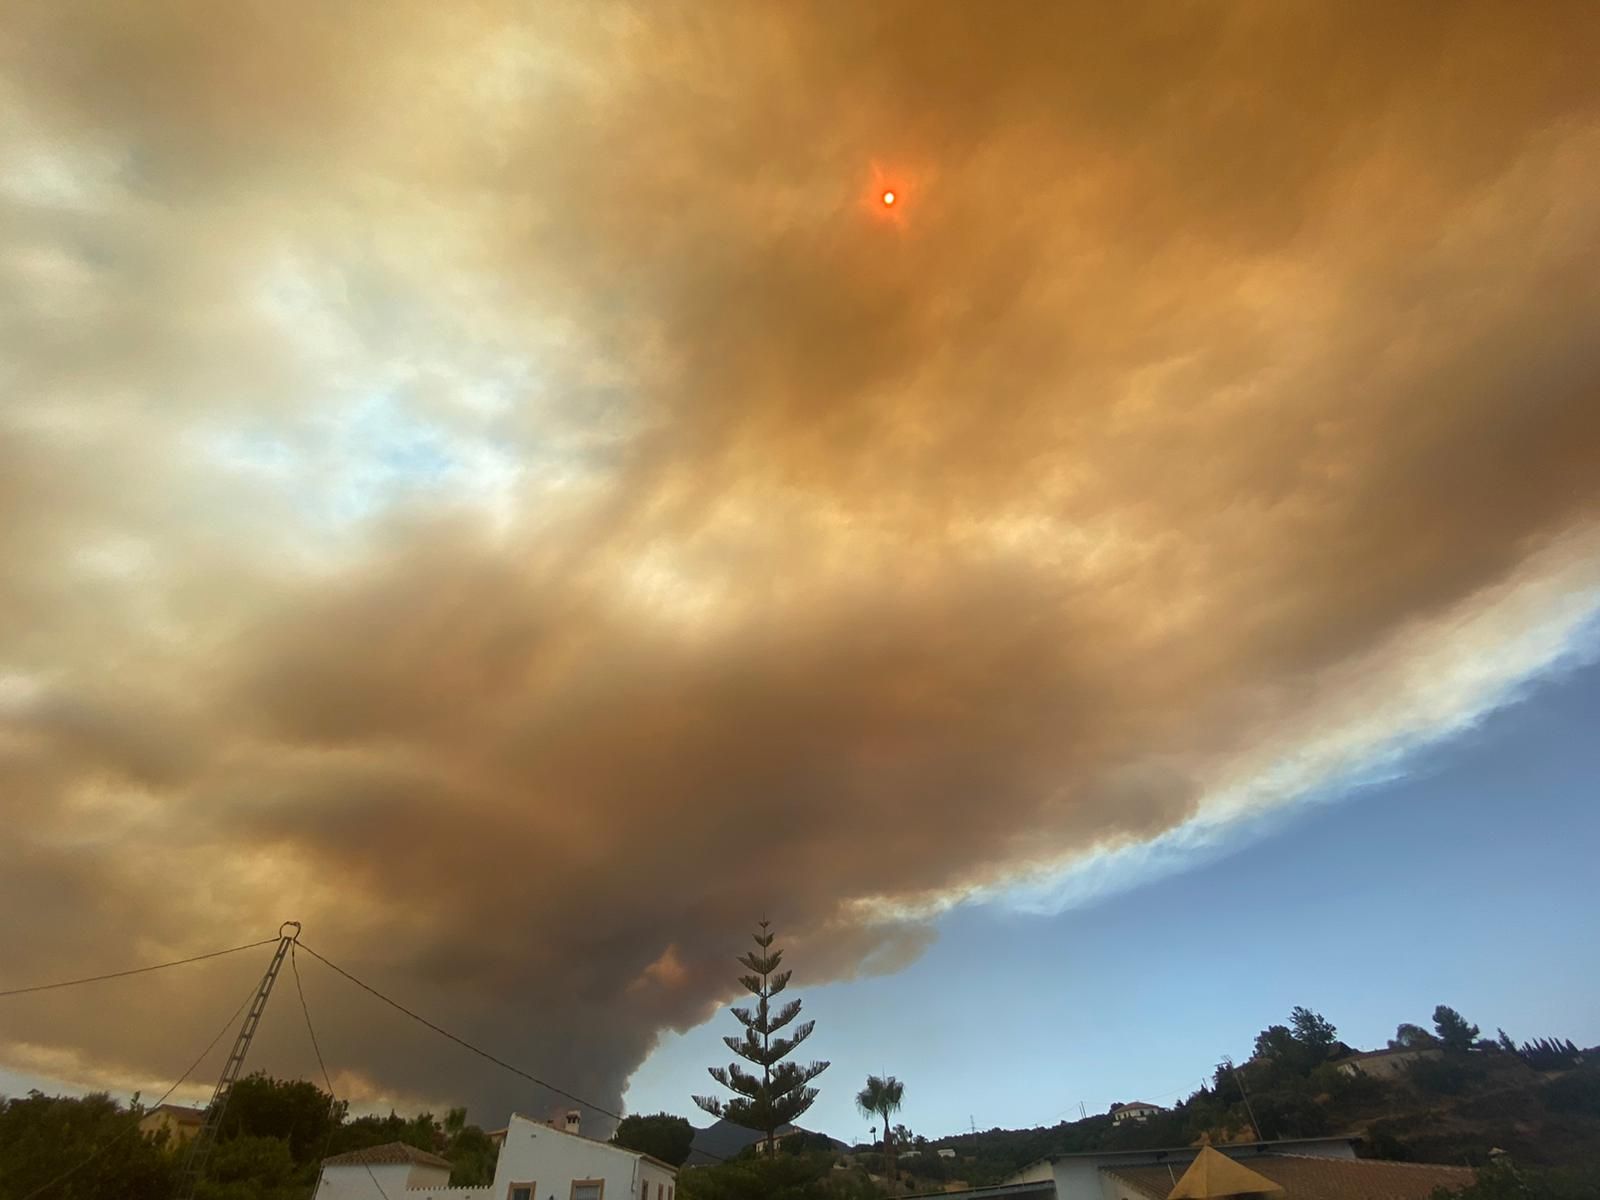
x=1134, y=1112
x=1038, y=1172
x=530, y=1153
x=1388, y=1066
x=389, y=1179
x=552, y=1159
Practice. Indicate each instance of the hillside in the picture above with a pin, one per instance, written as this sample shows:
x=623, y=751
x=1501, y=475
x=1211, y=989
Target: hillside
x=1453, y=1104
x=722, y=1140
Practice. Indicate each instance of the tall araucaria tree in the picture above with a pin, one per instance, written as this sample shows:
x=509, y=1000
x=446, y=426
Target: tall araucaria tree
x=776, y=1097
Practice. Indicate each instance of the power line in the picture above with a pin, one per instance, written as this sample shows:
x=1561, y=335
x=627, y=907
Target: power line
x=461, y=1041
x=134, y=1125
x=315, y=1047
x=478, y=1050
x=321, y=1063
x=177, y=962
x=1260, y=1137
x=326, y=1077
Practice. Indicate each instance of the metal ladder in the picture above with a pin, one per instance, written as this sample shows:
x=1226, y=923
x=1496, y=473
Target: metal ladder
x=204, y=1141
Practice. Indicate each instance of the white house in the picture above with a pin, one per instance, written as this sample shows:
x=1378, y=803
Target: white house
x=537, y=1162
x=389, y=1170
x=1136, y=1110
x=180, y=1122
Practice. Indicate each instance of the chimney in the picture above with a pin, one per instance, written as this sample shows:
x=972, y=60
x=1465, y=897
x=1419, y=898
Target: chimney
x=574, y=1120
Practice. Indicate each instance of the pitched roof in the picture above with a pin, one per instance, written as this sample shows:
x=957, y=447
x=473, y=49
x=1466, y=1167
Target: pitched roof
x=1277, y=1146
x=387, y=1154
x=179, y=1111
x=1213, y=1173
x=1306, y=1177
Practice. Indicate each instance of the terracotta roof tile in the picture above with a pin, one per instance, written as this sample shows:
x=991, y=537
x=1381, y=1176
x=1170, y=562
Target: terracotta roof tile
x=1304, y=1177
x=387, y=1154
x=1213, y=1173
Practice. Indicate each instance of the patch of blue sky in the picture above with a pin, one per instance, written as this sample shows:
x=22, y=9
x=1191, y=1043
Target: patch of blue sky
x=1412, y=754
x=381, y=454
x=361, y=458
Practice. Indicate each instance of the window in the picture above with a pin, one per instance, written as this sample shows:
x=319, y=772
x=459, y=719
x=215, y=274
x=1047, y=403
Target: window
x=522, y=1191
x=588, y=1189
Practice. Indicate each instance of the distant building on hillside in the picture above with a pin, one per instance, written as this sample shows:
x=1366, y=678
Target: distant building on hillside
x=537, y=1160
x=1136, y=1110
x=782, y=1137
x=946, y=1152
x=179, y=1121
x=1386, y=1064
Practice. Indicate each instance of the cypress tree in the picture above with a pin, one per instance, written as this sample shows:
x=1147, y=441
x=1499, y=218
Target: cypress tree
x=782, y=1092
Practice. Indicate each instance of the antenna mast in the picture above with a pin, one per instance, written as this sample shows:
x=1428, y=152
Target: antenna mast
x=200, y=1148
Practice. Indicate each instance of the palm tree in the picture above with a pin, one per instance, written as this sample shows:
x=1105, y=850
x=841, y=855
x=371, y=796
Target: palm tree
x=881, y=1098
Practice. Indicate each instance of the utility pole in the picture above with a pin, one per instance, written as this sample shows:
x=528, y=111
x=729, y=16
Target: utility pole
x=1260, y=1136
x=200, y=1147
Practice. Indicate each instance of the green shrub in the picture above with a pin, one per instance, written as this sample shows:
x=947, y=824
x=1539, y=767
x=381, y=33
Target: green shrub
x=1448, y=1076
x=1576, y=1092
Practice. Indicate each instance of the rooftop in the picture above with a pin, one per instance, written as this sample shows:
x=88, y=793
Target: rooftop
x=1305, y=1177
x=1186, y=1153
x=180, y=1111
x=498, y=1136
x=1036, y=1190
x=388, y=1154
x=1214, y=1174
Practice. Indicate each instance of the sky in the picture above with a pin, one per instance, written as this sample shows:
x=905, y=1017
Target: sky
x=498, y=485
x=1441, y=885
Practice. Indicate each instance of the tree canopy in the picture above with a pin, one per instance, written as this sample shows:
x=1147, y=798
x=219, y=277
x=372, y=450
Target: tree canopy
x=1313, y=1031
x=270, y=1145
x=881, y=1097
x=1453, y=1030
x=660, y=1135
x=42, y=1137
x=1411, y=1037
x=294, y=1110
x=1297, y=1048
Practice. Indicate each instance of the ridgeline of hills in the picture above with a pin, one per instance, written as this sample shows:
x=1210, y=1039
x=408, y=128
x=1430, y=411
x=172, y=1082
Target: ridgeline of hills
x=1448, y=1097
